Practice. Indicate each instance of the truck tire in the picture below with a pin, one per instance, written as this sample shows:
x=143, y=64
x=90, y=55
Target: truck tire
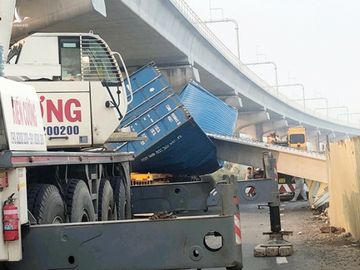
x=106, y=210
x=119, y=197
x=78, y=202
x=46, y=204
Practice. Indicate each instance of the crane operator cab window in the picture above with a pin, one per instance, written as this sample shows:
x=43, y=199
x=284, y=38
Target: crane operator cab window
x=87, y=58
x=70, y=58
x=98, y=63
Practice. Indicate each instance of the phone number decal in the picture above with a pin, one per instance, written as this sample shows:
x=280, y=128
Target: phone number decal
x=62, y=130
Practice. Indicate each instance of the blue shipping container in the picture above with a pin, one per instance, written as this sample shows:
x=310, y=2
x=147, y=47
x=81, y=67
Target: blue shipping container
x=174, y=142
x=209, y=112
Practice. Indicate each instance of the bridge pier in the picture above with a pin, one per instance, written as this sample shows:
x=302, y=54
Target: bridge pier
x=314, y=138
x=179, y=76
x=234, y=101
x=274, y=125
x=246, y=119
x=254, y=131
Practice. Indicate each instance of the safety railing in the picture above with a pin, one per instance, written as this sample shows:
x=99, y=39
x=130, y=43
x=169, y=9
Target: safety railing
x=205, y=31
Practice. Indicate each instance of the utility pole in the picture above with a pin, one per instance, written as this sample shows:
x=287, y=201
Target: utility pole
x=275, y=69
x=296, y=85
x=227, y=20
x=334, y=108
x=348, y=114
x=318, y=98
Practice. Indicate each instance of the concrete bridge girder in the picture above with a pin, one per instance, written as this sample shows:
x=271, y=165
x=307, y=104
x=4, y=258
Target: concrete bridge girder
x=314, y=169
x=288, y=161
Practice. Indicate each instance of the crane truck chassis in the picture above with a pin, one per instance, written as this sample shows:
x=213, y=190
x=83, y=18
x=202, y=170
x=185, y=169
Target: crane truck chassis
x=183, y=242
x=199, y=241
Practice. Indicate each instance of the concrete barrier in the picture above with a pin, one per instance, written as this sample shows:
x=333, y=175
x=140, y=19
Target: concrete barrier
x=344, y=185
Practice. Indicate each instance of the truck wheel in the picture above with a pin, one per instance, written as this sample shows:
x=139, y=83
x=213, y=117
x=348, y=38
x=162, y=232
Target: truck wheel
x=106, y=201
x=46, y=204
x=78, y=202
x=119, y=196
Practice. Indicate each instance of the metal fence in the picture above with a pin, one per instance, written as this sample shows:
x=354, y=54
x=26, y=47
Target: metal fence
x=205, y=31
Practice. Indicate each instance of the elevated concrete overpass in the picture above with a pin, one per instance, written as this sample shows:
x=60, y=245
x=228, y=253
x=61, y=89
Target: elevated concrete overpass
x=170, y=34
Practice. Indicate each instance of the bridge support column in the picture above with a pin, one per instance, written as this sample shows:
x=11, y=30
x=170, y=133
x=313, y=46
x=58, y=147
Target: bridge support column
x=246, y=119
x=313, y=137
x=259, y=132
x=274, y=125
x=233, y=100
x=254, y=131
x=178, y=76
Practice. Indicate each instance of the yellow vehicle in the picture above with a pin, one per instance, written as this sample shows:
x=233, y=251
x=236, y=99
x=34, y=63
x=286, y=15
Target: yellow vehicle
x=297, y=138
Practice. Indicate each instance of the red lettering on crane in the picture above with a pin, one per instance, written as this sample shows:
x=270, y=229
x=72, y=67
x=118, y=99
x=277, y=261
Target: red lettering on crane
x=24, y=112
x=57, y=111
x=73, y=115
x=60, y=110
x=42, y=98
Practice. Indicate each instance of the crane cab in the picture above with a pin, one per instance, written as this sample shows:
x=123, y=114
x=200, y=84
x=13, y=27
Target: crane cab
x=78, y=81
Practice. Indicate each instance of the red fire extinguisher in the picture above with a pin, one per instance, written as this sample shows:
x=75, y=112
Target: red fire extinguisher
x=10, y=220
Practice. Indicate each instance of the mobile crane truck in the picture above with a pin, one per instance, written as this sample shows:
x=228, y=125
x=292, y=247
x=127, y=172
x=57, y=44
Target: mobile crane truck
x=63, y=198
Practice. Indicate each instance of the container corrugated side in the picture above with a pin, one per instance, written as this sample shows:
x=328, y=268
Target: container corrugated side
x=209, y=112
x=173, y=143
x=155, y=111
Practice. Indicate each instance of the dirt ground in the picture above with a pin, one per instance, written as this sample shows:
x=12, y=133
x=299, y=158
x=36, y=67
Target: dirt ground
x=316, y=250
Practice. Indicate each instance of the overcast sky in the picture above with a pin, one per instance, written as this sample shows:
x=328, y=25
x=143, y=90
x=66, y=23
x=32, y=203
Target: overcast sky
x=314, y=42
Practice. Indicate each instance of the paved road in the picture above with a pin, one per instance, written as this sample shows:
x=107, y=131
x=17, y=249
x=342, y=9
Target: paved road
x=313, y=250
x=253, y=223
